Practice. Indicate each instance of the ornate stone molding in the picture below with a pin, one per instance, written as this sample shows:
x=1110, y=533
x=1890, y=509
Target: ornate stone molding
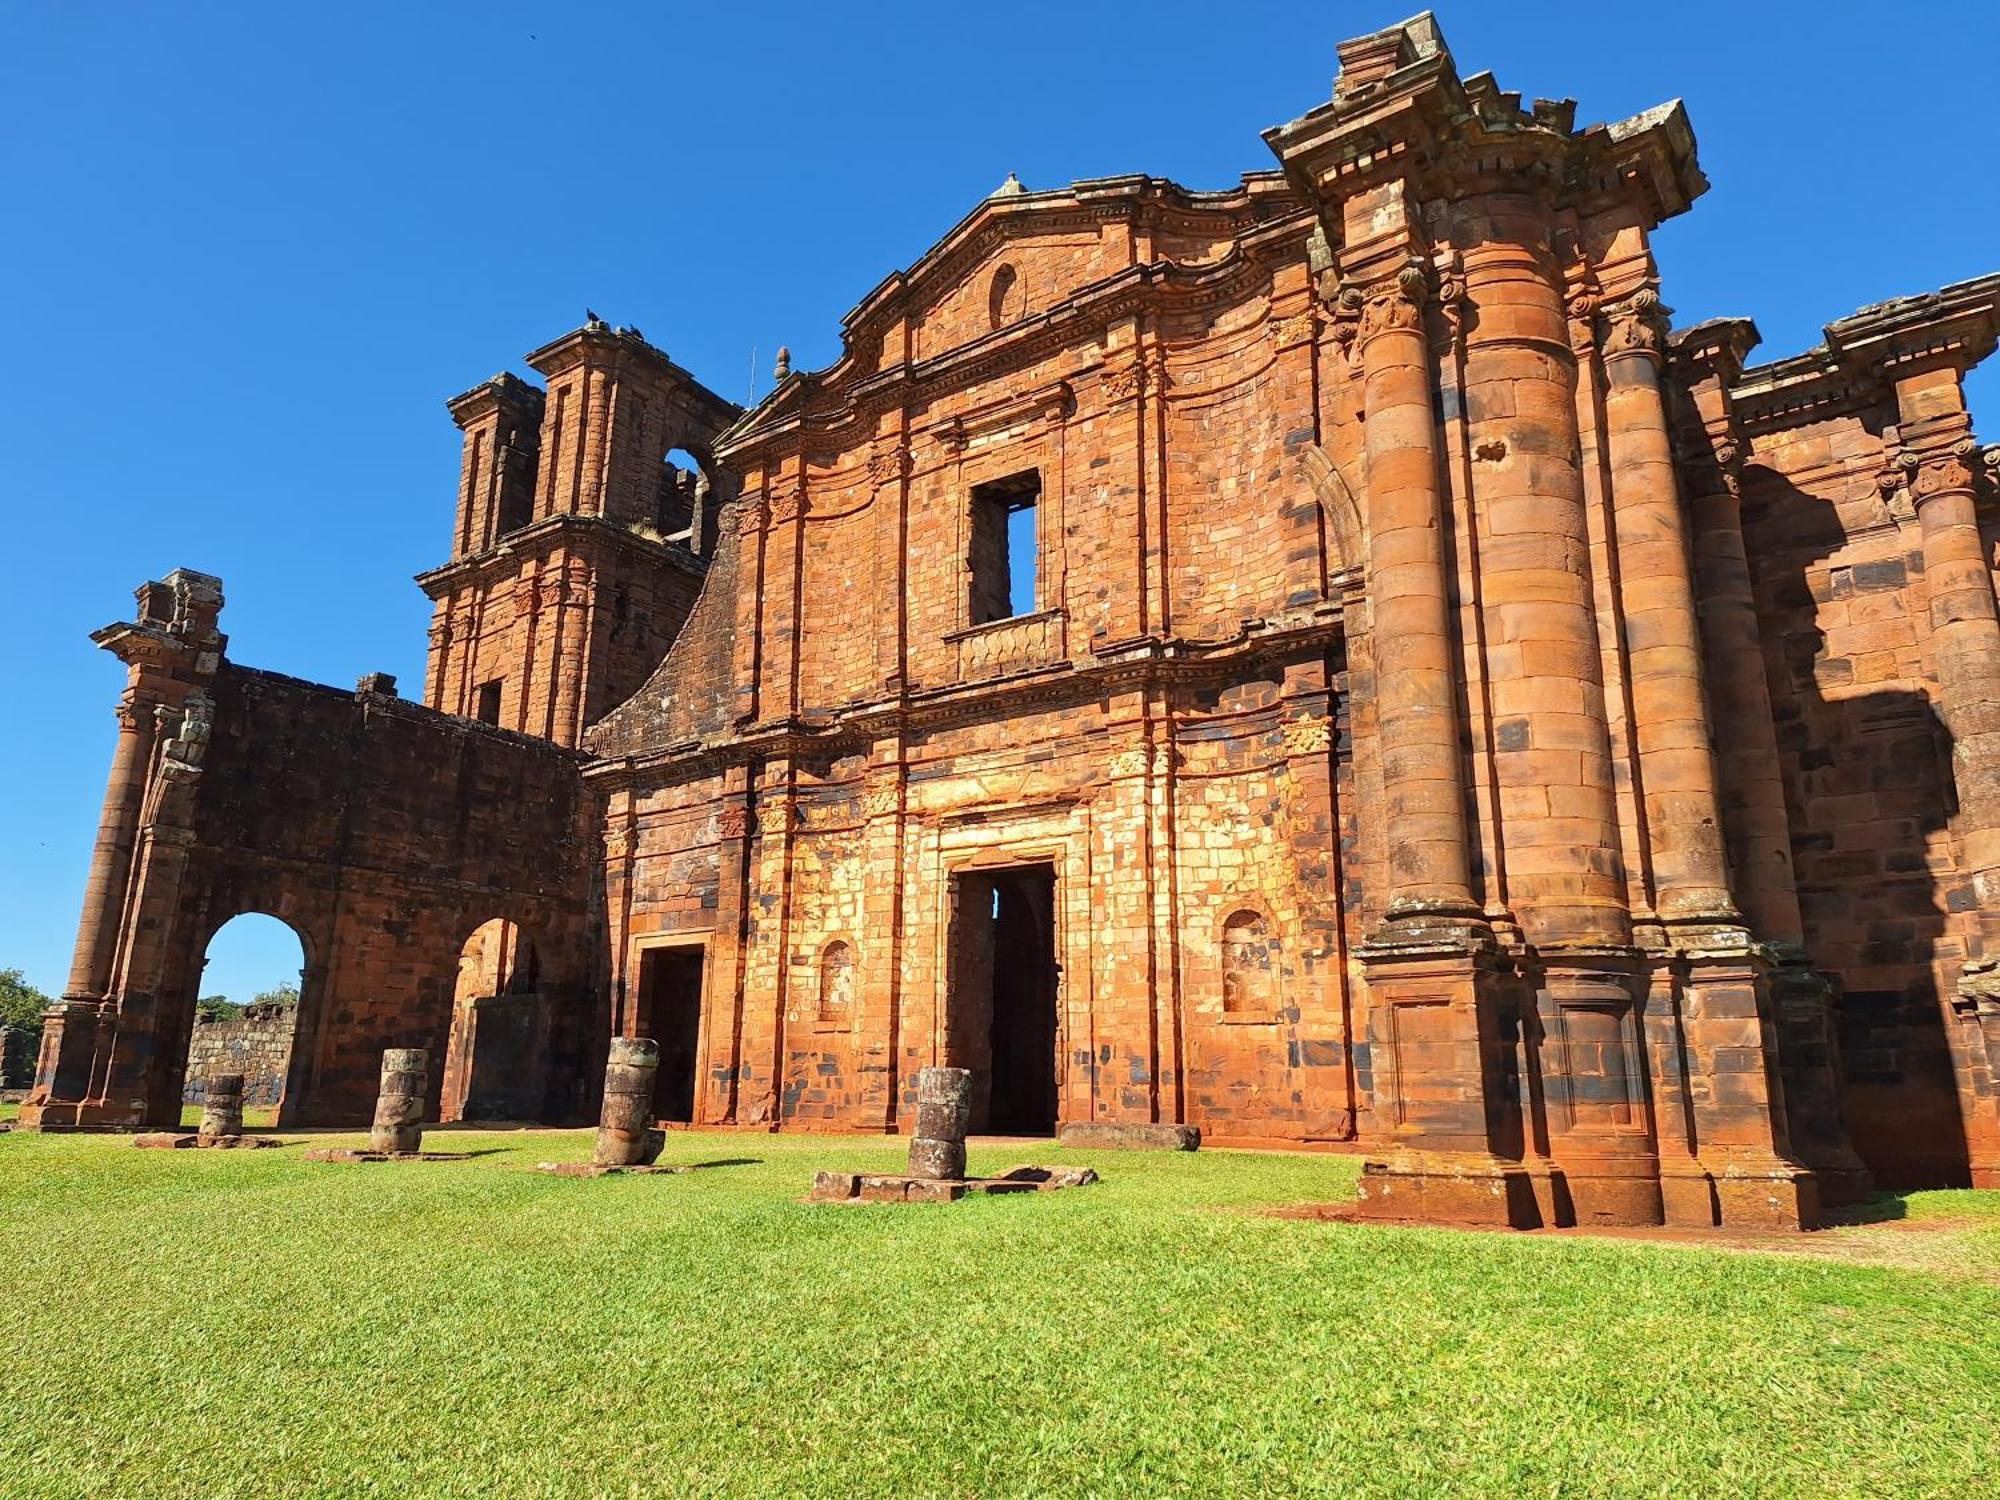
x=732, y=823
x=1397, y=306
x=749, y=516
x=889, y=464
x=1308, y=734
x=1124, y=382
x=1301, y=328
x=880, y=801
x=1126, y=763
x=787, y=504
x=619, y=842
x=1940, y=473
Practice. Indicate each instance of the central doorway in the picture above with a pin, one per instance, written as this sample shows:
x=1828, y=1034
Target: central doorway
x=1002, y=1014
x=670, y=1013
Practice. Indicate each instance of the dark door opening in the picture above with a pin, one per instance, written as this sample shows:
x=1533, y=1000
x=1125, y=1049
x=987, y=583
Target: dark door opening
x=1003, y=1002
x=670, y=1013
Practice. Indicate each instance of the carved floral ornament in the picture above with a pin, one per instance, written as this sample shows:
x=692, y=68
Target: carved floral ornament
x=787, y=504
x=1298, y=329
x=618, y=842
x=1940, y=473
x=890, y=464
x=880, y=801
x=1308, y=734
x=1125, y=381
x=749, y=516
x=732, y=822
x=1397, y=306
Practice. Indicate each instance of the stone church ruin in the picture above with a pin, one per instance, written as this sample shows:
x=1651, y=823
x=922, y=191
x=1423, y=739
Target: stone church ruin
x=1322, y=661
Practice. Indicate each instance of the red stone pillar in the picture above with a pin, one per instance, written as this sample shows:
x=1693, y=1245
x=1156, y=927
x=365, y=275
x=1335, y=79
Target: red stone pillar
x=1938, y=455
x=1408, y=589
x=1662, y=636
x=1586, y=1092
x=1436, y=1030
x=111, y=859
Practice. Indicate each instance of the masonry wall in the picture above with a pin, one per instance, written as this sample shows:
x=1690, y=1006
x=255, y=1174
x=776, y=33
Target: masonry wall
x=1867, y=763
x=384, y=834
x=257, y=1045
x=1170, y=797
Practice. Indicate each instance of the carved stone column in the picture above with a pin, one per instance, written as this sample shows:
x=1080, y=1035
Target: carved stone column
x=1409, y=593
x=1965, y=652
x=1435, y=1026
x=111, y=859
x=1663, y=644
x=1750, y=777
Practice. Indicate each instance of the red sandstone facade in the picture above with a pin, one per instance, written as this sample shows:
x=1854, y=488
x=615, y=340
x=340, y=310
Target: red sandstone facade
x=1324, y=661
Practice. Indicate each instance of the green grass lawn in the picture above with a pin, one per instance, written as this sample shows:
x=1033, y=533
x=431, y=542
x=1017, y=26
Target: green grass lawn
x=224, y=1324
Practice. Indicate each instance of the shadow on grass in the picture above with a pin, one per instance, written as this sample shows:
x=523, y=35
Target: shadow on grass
x=730, y=1161
x=1883, y=1208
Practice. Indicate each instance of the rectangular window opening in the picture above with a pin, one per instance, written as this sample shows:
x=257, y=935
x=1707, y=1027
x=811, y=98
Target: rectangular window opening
x=1004, y=547
x=488, y=711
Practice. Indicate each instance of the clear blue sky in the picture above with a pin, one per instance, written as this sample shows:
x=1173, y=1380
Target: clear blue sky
x=250, y=250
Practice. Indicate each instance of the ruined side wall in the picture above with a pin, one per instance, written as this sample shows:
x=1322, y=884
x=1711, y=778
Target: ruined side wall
x=384, y=834
x=1844, y=607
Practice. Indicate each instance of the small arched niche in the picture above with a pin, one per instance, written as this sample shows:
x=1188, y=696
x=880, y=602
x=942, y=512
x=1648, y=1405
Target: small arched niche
x=836, y=983
x=1249, y=965
x=1005, y=297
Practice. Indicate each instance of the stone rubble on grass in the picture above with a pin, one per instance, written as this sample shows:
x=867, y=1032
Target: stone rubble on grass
x=937, y=1157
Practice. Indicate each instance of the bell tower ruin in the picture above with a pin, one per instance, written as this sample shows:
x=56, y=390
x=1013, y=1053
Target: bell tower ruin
x=577, y=548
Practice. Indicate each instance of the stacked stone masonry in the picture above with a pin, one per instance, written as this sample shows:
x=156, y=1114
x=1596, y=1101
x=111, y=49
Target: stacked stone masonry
x=1435, y=705
x=255, y=1046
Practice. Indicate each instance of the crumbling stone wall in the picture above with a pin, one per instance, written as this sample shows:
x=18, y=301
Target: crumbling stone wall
x=382, y=832
x=256, y=1044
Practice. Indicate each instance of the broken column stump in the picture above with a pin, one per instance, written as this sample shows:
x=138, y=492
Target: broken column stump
x=399, y=1102
x=221, y=1121
x=398, y=1131
x=944, y=1108
x=625, y=1133
x=222, y=1108
x=626, y=1139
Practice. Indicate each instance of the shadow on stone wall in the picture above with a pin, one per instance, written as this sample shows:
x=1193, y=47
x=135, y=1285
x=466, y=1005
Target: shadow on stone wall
x=1868, y=786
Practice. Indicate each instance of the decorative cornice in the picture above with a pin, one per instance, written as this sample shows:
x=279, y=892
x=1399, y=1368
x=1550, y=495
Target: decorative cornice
x=536, y=540
x=1148, y=664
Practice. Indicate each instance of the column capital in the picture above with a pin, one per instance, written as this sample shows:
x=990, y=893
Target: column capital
x=1934, y=473
x=1636, y=326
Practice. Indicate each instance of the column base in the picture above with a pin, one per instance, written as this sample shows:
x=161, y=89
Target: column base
x=1448, y=1188
x=1767, y=1194
x=1606, y=1192
x=58, y=1115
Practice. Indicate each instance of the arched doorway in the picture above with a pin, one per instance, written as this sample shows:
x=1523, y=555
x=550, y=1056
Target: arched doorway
x=246, y=1012
x=496, y=1060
